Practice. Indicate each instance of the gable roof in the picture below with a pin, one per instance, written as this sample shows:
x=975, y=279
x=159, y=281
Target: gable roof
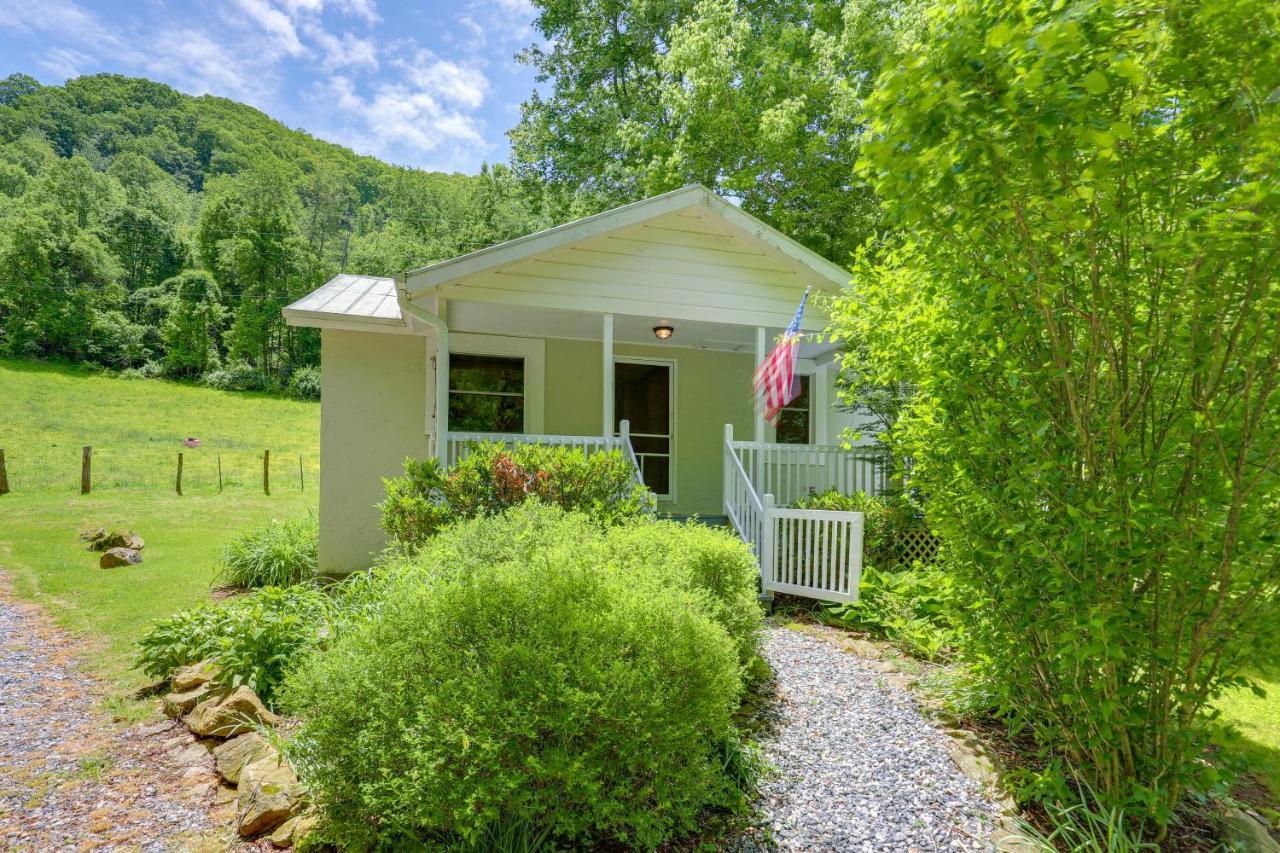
x=821, y=272
x=687, y=254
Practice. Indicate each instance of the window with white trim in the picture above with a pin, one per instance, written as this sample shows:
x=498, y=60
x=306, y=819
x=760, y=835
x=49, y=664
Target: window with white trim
x=486, y=393
x=795, y=422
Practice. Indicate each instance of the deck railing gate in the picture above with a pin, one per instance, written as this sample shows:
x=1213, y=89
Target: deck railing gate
x=808, y=552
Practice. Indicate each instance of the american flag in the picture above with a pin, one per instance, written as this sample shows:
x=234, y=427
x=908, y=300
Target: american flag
x=775, y=377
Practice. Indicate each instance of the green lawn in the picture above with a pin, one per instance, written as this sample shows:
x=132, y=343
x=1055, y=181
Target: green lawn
x=1257, y=721
x=135, y=428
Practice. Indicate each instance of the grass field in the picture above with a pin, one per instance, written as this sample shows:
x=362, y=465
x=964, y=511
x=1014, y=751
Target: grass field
x=1257, y=720
x=135, y=428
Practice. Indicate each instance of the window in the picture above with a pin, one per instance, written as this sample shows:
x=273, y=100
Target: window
x=796, y=417
x=486, y=393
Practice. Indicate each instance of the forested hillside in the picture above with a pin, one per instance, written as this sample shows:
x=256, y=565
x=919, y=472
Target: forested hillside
x=141, y=228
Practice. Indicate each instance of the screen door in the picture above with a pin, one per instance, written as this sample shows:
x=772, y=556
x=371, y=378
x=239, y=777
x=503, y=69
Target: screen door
x=642, y=395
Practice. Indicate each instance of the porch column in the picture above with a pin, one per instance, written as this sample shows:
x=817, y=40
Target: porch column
x=442, y=385
x=820, y=402
x=608, y=425
x=761, y=337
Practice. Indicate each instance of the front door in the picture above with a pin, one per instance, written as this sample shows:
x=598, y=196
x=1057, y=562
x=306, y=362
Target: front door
x=642, y=395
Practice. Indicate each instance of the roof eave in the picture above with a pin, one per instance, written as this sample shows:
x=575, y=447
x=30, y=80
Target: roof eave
x=328, y=320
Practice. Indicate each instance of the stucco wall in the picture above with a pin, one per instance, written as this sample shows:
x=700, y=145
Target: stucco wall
x=372, y=415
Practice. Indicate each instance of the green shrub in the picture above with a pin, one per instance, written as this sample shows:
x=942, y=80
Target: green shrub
x=1078, y=274
x=515, y=674
x=696, y=557
x=415, y=508
x=279, y=553
x=255, y=639
x=304, y=383
x=711, y=562
x=914, y=608
x=238, y=376
x=493, y=478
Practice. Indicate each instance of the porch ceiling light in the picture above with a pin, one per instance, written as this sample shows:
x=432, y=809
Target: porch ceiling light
x=663, y=332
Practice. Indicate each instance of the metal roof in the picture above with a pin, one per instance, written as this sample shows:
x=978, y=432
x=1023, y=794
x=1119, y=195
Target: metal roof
x=351, y=297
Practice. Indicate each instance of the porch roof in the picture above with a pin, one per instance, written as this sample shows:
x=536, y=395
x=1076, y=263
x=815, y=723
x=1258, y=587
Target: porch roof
x=360, y=300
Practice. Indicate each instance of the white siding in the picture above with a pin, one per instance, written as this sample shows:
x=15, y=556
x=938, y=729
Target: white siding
x=682, y=266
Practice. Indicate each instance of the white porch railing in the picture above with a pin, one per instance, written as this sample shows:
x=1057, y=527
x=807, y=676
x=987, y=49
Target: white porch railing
x=814, y=553
x=459, y=443
x=791, y=471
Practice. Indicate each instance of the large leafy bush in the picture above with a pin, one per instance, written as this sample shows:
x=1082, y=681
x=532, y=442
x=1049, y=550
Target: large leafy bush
x=279, y=553
x=531, y=669
x=492, y=478
x=1081, y=285
x=255, y=639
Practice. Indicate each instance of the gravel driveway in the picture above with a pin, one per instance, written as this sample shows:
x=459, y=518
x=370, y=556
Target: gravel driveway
x=857, y=765
x=69, y=779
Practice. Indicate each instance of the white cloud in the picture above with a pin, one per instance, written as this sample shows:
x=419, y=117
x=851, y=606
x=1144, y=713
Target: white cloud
x=409, y=120
x=465, y=86
x=64, y=62
x=345, y=51
x=278, y=26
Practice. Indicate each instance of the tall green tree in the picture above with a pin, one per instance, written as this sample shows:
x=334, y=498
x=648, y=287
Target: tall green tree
x=193, y=326
x=54, y=277
x=1081, y=279
x=249, y=238
x=761, y=101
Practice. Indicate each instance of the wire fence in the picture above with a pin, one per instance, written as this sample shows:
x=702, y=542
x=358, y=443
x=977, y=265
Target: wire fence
x=205, y=470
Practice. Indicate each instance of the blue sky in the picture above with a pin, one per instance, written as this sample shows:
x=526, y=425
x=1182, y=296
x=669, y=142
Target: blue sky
x=430, y=84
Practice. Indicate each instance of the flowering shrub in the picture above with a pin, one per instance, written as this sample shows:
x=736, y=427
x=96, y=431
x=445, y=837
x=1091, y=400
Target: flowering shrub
x=493, y=478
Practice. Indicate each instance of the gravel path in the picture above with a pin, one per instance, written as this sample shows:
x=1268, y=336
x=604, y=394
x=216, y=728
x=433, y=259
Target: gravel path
x=71, y=780
x=857, y=765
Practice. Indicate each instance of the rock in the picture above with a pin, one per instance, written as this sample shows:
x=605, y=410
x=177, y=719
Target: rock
x=117, y=539
x=181, y=704
x=231, y=715
x=862, y=648
x=156, y=729
x=230, y=757
x=269, y=794
x=93, y=535
x=193, y=756
x=293, y=830
x=190, y=677
x=119, y=557
x=1248, y=833
x=225, y=794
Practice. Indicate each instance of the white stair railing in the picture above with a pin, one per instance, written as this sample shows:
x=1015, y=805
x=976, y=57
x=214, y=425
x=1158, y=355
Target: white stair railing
x=791, y=471
x=808, y=552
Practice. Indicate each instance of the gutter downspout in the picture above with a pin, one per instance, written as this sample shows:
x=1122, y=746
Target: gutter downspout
x=441, y=414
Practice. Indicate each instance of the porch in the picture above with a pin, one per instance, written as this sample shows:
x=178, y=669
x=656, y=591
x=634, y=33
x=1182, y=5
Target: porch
x=806, y=552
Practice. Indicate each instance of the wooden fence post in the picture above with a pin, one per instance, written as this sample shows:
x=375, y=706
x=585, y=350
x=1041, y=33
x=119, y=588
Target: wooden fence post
x=266, y=472
x=4, y=475
x=86, y=480
x=179, y=483
x=219, y=473
x=302, y=484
